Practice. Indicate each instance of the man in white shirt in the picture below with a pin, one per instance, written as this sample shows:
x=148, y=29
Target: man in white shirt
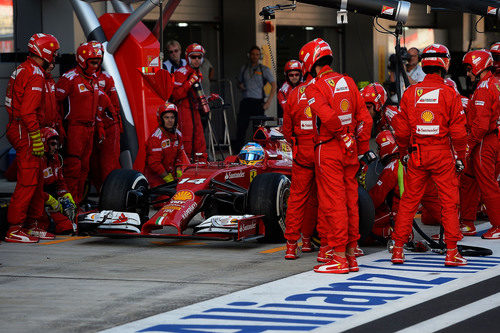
x=174, y=60
x=413, y=69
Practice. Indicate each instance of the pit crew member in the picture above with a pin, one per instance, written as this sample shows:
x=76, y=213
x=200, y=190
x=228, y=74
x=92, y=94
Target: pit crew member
x=60, y=203
x=106, y=156
x=186, y=95
x=293, y=77
x=25, y=105
x=342, y=130
x=431, y=117
x=483, y=142
x=302, y=207
x=164, y=151
x=80, y=89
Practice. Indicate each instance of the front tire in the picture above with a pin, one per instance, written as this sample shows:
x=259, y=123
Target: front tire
x=268, y=195
x=116, y=188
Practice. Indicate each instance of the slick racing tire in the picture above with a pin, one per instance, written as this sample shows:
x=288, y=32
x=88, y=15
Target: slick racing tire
x=366, y=216
x=366, y=213
x=115, y=193
x=268, y=195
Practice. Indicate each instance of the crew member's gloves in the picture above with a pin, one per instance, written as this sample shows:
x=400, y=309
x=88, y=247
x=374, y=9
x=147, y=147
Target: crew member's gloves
x=404, y=159
x=178, y=173
x=36, y=140
x=70, y=198
x=459, y=166
x=193, y=79
x=348, y=141
x=54, y=204
x=101, y=134
x=168, y=178
x=367, y=157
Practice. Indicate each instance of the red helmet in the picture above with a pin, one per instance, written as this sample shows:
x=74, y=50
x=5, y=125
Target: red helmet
x=386, y=144
x=436, y=55
x=312, y=52
x=495, y=52
x=495, y=49
x=167, y=107
x=478, y=60
x=375, y=93
x=88, y=50
x=47, y=134
x=451, y=83
x=293, y=65
x=194, y=48
x=44, y=45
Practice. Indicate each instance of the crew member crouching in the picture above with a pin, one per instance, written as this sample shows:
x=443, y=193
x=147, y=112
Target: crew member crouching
x=165, y=154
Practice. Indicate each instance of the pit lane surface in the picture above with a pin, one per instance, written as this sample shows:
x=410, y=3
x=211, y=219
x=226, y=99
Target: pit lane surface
x=91, y=284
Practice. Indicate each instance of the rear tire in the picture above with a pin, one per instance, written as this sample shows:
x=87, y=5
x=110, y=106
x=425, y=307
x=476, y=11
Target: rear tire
x=114, y=193
x=268, y=195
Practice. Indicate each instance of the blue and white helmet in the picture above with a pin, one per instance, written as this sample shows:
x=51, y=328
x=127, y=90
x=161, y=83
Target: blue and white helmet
x=251, y=154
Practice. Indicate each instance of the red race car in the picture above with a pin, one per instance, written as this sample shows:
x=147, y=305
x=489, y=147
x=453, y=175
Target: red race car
x=237, y=201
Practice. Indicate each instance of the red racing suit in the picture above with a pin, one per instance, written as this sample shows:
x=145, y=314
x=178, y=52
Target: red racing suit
x=483, y=115
x=25, y=103
x=106, y=156
x=52, y=116
x=342, y=130
x=302, y=207
x=55, y=186
x=385, y=196
x=82, y=94
x=431, y=114
x=189, y=115
x=164, y=153
x=282, y=96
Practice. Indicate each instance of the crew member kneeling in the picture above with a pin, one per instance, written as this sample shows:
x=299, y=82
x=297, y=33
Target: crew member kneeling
x=431, y=117
x=164, y=150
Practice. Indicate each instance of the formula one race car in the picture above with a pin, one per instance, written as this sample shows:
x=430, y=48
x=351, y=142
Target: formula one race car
x=237, y=201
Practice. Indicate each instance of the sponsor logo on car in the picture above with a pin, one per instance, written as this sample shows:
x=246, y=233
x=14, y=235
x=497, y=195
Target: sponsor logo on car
x=184, y=195
x=247, y=227
x=232, y=175
x=189, y=210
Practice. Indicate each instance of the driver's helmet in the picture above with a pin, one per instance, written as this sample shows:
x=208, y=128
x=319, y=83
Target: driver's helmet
x=251, y=154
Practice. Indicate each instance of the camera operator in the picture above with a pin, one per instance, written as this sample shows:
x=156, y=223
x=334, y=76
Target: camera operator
x=411, y=59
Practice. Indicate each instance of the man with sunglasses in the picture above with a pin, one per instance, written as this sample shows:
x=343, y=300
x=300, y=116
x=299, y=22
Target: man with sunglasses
x=174, y=61
x=24, y=102
x=189, y=97
x=79, y=91
x=293, y=77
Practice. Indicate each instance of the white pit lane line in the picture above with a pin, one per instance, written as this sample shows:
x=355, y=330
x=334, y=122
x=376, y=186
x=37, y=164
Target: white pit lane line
x=455, y=316
x=328, y=302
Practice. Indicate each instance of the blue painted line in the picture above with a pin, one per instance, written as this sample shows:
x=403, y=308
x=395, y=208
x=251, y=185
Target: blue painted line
x=416, y=264
x=417, y=270
x=185, y=328
x=314, y=307
x=260, y=319
x=440, y=258
x=284, y=313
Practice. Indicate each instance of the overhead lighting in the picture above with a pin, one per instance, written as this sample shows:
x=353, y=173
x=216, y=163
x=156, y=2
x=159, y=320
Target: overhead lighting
x=182, y=24
x=309, y=28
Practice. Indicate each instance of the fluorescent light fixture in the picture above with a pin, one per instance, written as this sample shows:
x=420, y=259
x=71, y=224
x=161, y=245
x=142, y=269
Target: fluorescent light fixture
x=309, y=28
x=182, y=24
